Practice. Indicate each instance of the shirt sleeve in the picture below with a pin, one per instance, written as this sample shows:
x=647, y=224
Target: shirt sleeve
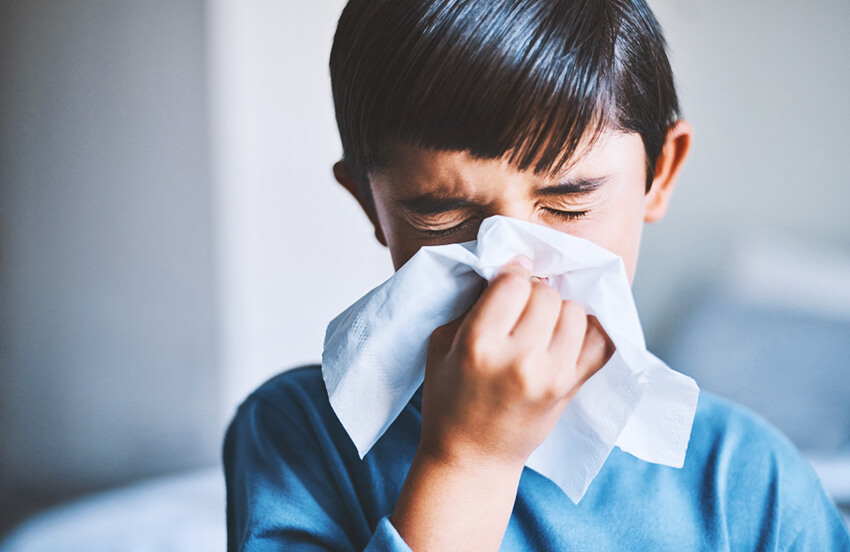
x=823, y=528
x=387, y=539
x=284, y=492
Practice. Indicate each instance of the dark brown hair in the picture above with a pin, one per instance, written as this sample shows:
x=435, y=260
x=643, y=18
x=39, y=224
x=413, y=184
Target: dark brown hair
x=524, y=80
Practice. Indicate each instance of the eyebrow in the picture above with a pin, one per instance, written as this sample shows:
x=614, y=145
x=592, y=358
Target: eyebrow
x=572, y=187
x=434, y=204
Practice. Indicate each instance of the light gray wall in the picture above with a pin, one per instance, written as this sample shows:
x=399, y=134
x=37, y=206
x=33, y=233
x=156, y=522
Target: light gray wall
x=765, y=85
x=108, y=360
x=294, y=248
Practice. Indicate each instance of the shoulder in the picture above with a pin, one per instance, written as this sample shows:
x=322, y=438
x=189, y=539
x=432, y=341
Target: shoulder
x=720, y=421
x=293, y=402
x=742, y=449
x=291, y=473
x=293, y=407
x=735, y=438
x=743, y=486
x=303, y=379
x=294, y=392
x=288, y=458
x=754, y=474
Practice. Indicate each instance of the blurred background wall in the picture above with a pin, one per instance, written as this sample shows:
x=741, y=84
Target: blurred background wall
x=172, y=235
x=764, y=85
x=110, y=360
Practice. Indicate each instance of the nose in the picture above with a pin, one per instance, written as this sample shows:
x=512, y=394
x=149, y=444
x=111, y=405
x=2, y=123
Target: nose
x=518, y=208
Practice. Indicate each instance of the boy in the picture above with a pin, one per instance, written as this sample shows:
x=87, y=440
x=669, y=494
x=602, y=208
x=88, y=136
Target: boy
x=558, y=112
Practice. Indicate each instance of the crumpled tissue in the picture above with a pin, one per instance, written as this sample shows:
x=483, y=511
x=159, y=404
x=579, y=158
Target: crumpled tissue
x=375, y=352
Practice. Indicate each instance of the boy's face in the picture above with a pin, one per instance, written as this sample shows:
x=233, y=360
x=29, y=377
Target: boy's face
x=428, y=198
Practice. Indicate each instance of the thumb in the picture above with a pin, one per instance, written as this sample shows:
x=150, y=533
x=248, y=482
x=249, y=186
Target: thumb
x=444, y=335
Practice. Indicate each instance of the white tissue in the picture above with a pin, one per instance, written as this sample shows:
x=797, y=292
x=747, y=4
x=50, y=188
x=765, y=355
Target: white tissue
x=375, y=352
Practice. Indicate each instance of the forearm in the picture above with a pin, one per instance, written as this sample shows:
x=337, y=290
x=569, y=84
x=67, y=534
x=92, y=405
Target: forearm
x=448, y=505
x=496, y=382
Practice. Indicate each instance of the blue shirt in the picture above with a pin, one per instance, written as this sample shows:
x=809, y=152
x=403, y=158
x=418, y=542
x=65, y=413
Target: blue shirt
x=295, y=482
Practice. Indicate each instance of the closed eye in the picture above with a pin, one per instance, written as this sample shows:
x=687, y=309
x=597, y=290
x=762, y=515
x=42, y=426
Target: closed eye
x=448, y=231
x=564, y=215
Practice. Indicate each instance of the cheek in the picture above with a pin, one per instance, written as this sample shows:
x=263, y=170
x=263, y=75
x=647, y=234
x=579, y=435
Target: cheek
x=400, y=244
x=401, y=252
x=391, y=231
x=617, y=228
x=626, y=241
x=630, y=257
x=400, y=241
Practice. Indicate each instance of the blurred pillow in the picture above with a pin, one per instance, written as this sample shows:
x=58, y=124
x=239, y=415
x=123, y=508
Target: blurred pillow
x=775, y=336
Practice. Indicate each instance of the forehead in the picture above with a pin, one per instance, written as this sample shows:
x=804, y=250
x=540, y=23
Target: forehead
x=410, y=169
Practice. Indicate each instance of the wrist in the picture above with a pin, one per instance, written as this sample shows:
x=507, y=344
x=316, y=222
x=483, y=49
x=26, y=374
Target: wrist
x=468, y=463
x=455, y=503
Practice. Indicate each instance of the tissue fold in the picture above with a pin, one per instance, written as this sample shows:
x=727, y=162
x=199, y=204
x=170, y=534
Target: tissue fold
x=375, y=352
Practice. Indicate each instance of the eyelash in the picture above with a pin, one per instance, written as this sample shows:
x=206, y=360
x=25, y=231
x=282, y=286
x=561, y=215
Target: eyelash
x=563, y=215
x=447, y=231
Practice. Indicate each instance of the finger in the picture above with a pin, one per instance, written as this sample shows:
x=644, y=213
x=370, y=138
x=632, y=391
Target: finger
x=537, y=321
x=596, y=350
x=440, y=343
x=500, y=305
x=569, y=334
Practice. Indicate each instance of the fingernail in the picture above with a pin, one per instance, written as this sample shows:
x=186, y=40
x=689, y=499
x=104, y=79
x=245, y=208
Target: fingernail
x=524, y=262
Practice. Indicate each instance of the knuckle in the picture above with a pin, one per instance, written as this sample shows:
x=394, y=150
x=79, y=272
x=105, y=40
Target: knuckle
x=546, y=292
x=566, y=387
x=549, y=393
x=525, y=376
x=553, y=394
x=574, y=313
x=475, y=349
x=526, y=366
x=511, y=282
x=518, y=378
x=569, y=381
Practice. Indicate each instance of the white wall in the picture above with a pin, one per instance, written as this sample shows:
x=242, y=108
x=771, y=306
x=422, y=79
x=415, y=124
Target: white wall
x=295, y=251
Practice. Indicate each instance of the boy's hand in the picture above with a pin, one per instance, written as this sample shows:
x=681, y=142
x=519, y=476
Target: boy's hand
x=497, y=379
x=496, y=382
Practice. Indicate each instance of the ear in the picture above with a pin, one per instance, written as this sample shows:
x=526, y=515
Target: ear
x=667, y=168
x=344, y=177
